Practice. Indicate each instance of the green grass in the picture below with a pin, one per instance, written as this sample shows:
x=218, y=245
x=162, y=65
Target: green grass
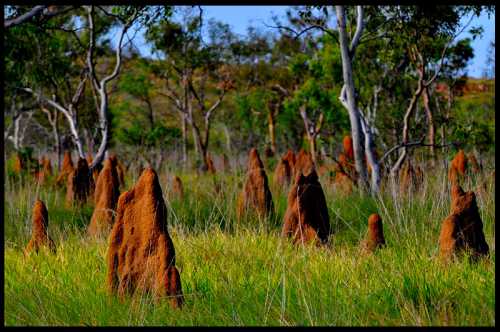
x=245, y=274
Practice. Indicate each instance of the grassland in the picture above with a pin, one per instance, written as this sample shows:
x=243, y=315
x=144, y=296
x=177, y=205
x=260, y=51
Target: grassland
x=245, y=274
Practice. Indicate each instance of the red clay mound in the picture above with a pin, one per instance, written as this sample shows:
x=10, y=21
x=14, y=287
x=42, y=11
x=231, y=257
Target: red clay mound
x=348, y=150
x=343, y=182
x=463, y=228
x=18, y=164
x=290, y=157
x=40, y=237
x=306, y=219
x=106, y=197
x=375, y=236
x=256, y=195
x=283, y=174
x=268, y=152
x=79, y=184
x=210, y=165
x=177, y=187
x=141, y=255
x=96, y=170
x=303, y=163
x=458, y=167
x=66, y=169
x=46, y=170
x=120, y=168
x=346, y=167
x=409, y=178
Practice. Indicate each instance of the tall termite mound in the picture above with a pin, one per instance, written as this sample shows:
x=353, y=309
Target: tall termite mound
x=458, y=167
x=66, y=168
x=96, y=169
x=410, y=178
x=306, y=219
x=345, y=172
x=141, y=254
x=106, y=197
x=303, y=163
x=120, y=168
x=209, y=167
x=255, y=195
x=463, y=228
x=475, y=165
x=79, y=184
x=45, y=170
x=40, y=236
x=283, y=174
x=375, y=236
x=348, y=149
x=18, y=164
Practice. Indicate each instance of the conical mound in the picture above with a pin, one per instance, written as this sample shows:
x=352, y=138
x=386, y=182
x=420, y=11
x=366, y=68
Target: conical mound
x=40, y=236
x=106, y=197
x=66, y=168
x=303, y=163
x=458, y=167
x=79, y=184
x=256, y=195
x=375, y=235
x=141, y=255
x=306, y=219
x=463, y=228
x=283, y=174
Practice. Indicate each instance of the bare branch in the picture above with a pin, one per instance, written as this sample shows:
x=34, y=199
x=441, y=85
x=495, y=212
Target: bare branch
x=419, y=143
x=299, y=33
x=37, y=10
x=443, y=53
x=79, y=91
x=215, y=105
x=359, y=31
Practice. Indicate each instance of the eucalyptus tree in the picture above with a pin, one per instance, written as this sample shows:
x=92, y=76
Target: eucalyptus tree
x=196, y=73
x=65, y=63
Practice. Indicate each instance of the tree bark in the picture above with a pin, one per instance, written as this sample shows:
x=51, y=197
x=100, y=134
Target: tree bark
x=271, y=126
x=101, y=85
x=150, y=113
x=184, y=140
x=349, y=90
x=430, y=122
x=406, y=124
x=57, y=138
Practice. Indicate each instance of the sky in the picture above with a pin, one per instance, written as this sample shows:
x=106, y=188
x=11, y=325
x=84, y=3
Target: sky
x=240, y=17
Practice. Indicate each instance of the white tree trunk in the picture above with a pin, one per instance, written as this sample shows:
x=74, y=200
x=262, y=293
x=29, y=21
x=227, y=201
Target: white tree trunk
x=349, y=91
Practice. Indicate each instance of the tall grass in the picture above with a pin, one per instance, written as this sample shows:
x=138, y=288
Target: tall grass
x=245, y=273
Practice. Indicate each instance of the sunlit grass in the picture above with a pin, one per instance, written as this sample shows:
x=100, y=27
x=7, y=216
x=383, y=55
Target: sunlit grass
x=245, y=274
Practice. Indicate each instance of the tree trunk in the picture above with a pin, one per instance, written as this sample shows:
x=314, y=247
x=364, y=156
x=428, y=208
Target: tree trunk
x=228, y=139
x=312, y=145
x=104, y=128
x=406, y=126
x=15, y=139
x=271, y=126
x=352, y=109
x=430, y=122
x=371, y=157
x=184, y=140
x=150, y=113
x=200, y=149
x=57, y=139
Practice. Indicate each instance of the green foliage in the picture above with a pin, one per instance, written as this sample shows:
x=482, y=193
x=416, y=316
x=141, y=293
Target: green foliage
x=137, y=135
